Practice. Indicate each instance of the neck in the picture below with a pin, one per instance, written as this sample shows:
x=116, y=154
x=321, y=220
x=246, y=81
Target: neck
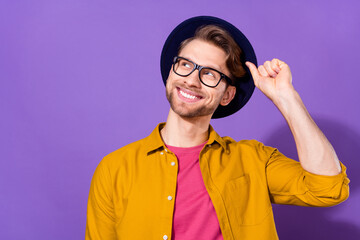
x=185, y=132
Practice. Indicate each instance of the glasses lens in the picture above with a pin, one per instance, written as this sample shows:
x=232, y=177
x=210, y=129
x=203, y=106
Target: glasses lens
x=183, y=67
x=209, y=76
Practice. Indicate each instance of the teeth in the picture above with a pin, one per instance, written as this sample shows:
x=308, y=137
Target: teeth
x=187, y=95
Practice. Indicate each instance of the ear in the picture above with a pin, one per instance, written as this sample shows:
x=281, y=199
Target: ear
x=228, y=95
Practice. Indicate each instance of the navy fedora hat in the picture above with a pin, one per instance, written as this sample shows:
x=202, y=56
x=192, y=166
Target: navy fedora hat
x=244, y=86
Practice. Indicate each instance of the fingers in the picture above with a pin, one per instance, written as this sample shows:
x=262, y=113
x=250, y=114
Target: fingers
x=263, y=71
x=253, y=69
x=275, y=65
x=270, y=68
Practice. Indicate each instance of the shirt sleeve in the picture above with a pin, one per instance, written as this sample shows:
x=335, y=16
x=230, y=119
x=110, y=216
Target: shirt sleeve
x=100, y=223
x=289, y=183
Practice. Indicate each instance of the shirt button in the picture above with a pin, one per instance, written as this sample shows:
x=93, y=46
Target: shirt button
x=169, y=198
x=165, y=150
x=173, y=163
x=162, y=153
x=209, y=145
x=165, y=237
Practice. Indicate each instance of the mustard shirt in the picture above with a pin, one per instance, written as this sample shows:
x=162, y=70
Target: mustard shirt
x=133, y=189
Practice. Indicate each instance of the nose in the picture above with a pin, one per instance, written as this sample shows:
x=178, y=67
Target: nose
x=193, y=79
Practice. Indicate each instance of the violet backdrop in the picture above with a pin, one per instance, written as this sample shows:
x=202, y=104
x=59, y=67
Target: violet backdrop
x=81, y=78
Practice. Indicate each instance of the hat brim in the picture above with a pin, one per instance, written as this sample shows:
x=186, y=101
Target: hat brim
x=244, y=86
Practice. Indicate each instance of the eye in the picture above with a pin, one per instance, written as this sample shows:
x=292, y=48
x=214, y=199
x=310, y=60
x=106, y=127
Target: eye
x=208, y=73
x=186, y=64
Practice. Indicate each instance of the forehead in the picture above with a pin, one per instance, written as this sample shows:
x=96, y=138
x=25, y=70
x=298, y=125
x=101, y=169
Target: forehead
x=205, y=54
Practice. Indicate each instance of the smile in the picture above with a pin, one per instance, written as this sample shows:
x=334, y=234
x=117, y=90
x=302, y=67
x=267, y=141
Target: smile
x=187, y=96
x=184, y=94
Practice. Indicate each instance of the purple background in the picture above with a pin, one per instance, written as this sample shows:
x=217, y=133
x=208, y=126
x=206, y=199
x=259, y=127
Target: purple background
x=80, y=79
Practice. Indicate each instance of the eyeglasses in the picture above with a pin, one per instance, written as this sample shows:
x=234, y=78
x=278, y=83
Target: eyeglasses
x=208, y=76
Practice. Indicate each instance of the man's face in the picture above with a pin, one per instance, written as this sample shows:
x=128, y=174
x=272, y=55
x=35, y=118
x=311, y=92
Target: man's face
x=188, y=97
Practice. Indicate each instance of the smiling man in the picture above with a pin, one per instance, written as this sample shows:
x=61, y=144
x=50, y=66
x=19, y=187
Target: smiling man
x=184, y=89
x=184, y=181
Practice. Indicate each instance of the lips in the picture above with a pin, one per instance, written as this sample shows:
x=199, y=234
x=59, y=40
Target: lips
x=187, y=95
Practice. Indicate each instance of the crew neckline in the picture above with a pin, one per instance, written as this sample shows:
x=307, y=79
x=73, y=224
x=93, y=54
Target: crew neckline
x=186, y=149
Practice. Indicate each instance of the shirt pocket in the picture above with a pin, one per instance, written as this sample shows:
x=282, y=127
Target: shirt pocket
x=247, y=200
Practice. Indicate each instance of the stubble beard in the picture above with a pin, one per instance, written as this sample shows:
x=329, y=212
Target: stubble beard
x=183, y=111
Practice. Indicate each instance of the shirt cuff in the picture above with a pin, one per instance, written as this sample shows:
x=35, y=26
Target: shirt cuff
x=327, y=186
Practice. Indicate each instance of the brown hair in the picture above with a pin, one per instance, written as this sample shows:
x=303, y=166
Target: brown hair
x=221, y=38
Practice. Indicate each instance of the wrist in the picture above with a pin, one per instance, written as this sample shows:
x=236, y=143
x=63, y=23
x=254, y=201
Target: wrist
x=287, y=100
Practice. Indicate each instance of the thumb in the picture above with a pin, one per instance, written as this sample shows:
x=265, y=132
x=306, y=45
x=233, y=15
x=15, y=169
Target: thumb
x=253, y=69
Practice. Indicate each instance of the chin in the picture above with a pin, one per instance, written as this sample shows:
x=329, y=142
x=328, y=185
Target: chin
x=186, y=112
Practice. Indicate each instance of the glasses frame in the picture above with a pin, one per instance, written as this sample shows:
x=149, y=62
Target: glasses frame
x=199, y=68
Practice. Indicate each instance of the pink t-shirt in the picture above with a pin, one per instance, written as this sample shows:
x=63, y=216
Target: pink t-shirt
x=194, y=214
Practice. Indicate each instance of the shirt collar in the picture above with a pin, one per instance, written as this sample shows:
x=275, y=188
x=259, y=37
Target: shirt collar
x=215, y=137
x=154, y=140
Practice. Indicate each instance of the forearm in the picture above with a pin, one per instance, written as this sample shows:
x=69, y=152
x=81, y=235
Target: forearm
x=315, y=152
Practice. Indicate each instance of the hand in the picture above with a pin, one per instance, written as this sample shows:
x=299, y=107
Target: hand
x=273, y=78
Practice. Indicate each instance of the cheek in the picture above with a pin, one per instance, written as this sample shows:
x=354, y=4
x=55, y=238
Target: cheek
x=171, y=78
x=213, y=95
x=219, y=91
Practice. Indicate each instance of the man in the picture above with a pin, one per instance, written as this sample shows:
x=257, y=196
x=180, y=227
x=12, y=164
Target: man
x=184, y=181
